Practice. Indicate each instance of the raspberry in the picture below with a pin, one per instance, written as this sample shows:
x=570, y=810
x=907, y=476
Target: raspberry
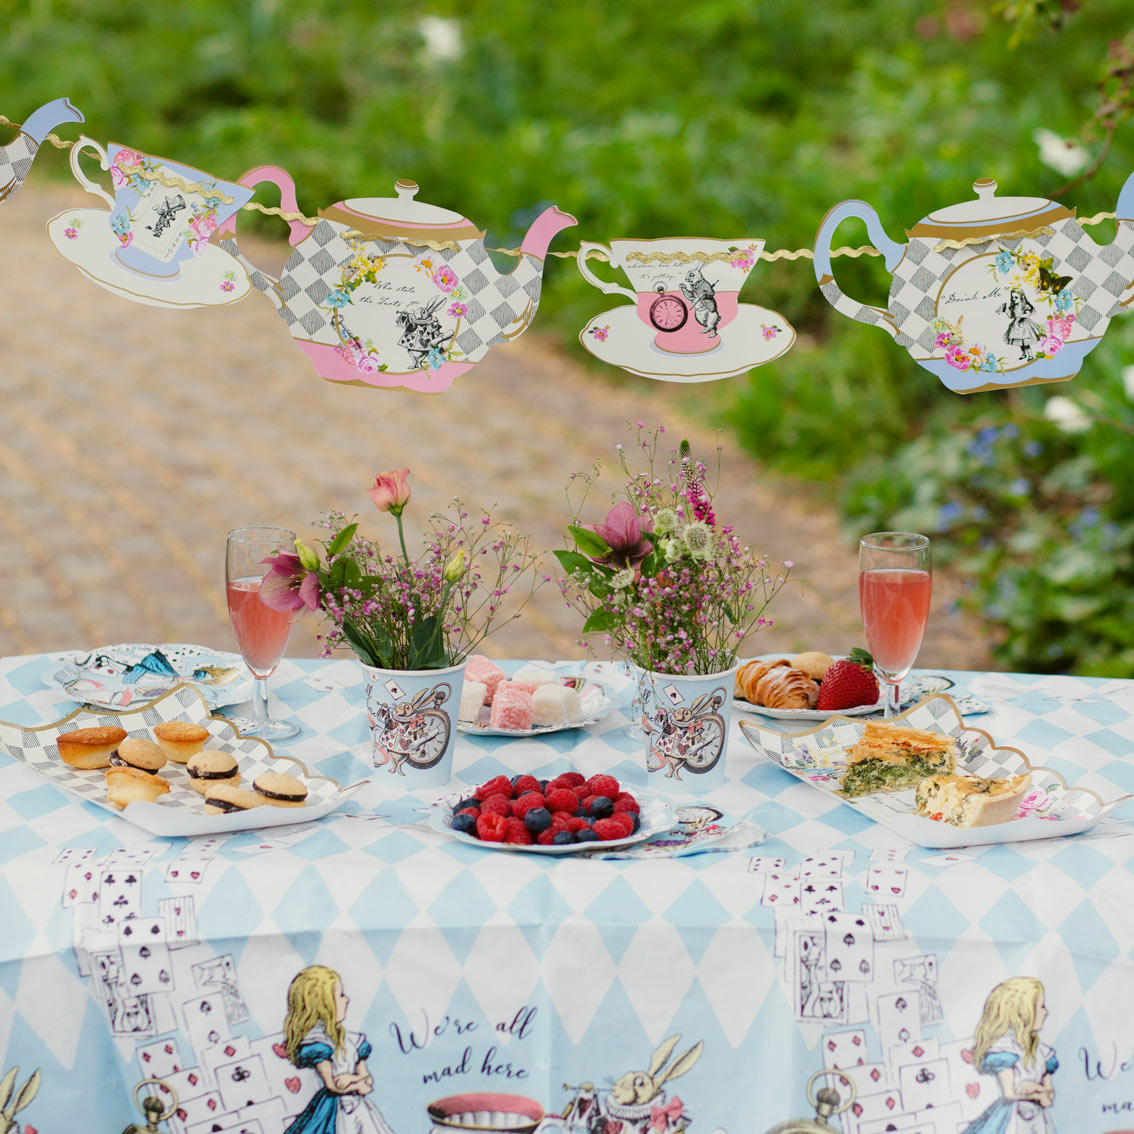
x=525, y=783
x=562, y=799
x=560, y=820
x=610, y=829
x=572, y=779
x=626, y=802
x=580, y=791
x=496, y=805
x=626, y=820
x=577, y=824
x=538, y=819
x=546, y=838
x=499, y=785
x=527, y=802
x=516, y=832
x=468, y=809
x=603, y=785
x=491, y=828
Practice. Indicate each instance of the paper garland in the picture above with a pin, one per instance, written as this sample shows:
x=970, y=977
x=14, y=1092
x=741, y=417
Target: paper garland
x=390, y=292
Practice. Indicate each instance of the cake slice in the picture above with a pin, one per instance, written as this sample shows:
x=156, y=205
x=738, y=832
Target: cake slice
x=971, y=801
x=891, y=758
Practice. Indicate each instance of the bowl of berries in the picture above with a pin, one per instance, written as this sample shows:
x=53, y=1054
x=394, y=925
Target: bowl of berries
x=563, y=815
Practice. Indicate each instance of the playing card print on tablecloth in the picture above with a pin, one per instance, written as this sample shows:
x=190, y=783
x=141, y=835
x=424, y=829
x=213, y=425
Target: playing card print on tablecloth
x=886, y=882
x=849, y=946
x=205, y=1022
x=159, y=1060
x=146, y=965
x=128, y=1013
x=898, y=1018
x=924, y=1084
x=119, y=894
x=921, y=973
x=762, y=864
x=81, y=879
x=219, y=974
x=973, y=1091
x=180, y=916
x=243, y=1082
x=885, y=921
x=817, y=996
x=844, y=1049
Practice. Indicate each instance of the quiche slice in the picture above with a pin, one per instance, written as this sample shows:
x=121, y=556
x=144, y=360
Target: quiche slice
x=971, y=801
x=890, y=758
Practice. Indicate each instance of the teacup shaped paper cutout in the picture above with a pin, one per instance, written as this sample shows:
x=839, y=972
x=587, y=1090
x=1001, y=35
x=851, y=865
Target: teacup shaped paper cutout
x=685, y=289
x=162, y=213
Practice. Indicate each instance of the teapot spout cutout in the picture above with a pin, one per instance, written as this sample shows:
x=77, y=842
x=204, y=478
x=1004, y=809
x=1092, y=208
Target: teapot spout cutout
x=17, y=156
x=391, y=292
x=993, y=292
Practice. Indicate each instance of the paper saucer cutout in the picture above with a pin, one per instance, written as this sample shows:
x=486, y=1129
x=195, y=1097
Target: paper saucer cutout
x=623, y=340
x=212, y=279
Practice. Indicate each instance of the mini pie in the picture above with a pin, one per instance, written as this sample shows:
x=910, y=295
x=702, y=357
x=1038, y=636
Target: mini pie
x=971, y=801
x=135, y=752
x=890, y=758
x=129, y=785
x=813, y=663
x=211, y=766
x=89, y=747
x=280, y=790
x=181, y=739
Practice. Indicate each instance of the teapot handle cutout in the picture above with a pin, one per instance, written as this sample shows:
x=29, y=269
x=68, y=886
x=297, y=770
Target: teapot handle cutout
x=586, y=246
x=892, y=253
x=273, y=174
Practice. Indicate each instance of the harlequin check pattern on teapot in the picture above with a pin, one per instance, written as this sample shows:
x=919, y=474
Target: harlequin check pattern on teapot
x=1023, y=299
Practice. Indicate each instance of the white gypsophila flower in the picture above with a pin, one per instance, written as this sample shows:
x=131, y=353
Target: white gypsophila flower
x=1063, y=155
x=1066, y=414
x=442, y=37
x=673, y=548
x=665, y=521
x=620, y=580
x=698, y=538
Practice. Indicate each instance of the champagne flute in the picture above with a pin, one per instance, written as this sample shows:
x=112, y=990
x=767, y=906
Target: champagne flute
x=894, y=587
x=261, y=632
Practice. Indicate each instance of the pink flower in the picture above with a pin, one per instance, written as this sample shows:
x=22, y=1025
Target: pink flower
x=445, y=278
x=1053, y=344
x=117, y=177
x=126, y=158
x=957, y=356
x=769, y=332
x=600, y=333
x=367, y=364
x=349, y=353
x=228, y=285
x=391, y=491
x=622, y=530
x=204, y=225
x=944, y=338
x=1035, y=800
x=1060, y=326
x=71, y=233
x=457, y=310
x=288, y=585
x=126, y=239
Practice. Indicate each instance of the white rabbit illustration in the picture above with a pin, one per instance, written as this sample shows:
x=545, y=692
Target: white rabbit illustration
x=636, y=1097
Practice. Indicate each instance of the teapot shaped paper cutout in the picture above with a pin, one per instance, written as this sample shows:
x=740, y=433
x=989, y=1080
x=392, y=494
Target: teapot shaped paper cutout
x=371, y=309
x=17, y=156
x=1024, y=300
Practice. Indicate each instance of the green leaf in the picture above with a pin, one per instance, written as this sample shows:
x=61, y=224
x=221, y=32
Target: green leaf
x=572, y=561
x=342, y=539
x=352, y=576
x=600, y=621
x=427, y=644
x=589, y=543
x=337, y=573
x=360, y=646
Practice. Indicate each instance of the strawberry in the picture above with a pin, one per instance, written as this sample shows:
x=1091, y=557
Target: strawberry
x=849, y=682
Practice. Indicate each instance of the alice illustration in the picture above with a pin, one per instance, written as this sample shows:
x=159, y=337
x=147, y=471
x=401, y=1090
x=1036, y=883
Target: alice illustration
x=314, y=1036
x=1022, y=332
x=1007, y=1045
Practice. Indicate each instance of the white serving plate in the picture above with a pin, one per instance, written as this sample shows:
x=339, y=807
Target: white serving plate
x=181, y=811
x=656, y=815
x=1051, y=808
x=595, y=703
x=119, y=676
x=913, y=690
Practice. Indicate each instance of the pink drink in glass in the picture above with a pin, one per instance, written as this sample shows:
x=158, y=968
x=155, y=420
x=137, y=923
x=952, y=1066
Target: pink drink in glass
x=261, y=633
x=895, y=609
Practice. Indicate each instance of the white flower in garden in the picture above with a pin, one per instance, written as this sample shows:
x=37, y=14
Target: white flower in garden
x=442, y=37
x=698, y=538
x=1128, y=381
x=665, y=521
x=1061, y=154
x=620, y=580
x=1066, y=414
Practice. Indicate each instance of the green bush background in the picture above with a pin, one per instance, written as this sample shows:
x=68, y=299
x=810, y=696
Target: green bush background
x=710, y=117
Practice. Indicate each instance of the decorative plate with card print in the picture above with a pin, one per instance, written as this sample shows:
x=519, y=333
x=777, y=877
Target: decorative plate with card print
x=1051, y=808
x=181, y=810
x=116, y=677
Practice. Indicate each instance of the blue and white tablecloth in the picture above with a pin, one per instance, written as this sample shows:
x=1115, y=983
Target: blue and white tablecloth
x=564, y=982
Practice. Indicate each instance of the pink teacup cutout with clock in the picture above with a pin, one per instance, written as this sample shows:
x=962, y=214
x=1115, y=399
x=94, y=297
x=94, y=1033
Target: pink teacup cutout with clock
x=687, y=300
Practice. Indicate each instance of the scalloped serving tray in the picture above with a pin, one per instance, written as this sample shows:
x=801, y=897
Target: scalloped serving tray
x=181, y=810
x=1051, y=808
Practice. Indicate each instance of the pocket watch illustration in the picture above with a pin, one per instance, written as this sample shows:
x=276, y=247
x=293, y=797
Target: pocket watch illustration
x=668, y=312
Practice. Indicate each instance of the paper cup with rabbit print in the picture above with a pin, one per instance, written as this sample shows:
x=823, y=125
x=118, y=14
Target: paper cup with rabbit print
x=685, y=719
x=413, y=716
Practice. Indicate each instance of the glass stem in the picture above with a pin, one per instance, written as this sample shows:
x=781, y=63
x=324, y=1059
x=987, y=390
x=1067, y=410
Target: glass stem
x=260, y=701
x=893, y=698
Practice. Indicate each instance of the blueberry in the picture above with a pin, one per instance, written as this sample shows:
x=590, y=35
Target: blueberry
x=537, y=819
x=516, y=779
x=586, y=835
x=526, y=791
x=543, y=785
x=637, y=821
x=465, y=804
x=562, y=838
x=464, y=823
x=602, y=807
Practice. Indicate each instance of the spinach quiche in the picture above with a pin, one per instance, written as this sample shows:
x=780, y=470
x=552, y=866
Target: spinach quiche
x=891, y=758
x=971, y=801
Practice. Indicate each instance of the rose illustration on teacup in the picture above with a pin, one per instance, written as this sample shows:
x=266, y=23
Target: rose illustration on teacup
x=162, y=212
x=685, y=289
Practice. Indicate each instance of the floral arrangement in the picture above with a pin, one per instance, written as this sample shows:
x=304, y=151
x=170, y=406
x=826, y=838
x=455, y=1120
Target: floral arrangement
x=401, y=612
x=672, y=590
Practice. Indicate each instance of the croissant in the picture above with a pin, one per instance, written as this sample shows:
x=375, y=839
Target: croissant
x=786, y=688
x=750, y=673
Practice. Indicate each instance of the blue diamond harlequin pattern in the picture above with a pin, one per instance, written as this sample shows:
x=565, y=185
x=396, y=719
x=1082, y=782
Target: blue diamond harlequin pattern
x=464, y=970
